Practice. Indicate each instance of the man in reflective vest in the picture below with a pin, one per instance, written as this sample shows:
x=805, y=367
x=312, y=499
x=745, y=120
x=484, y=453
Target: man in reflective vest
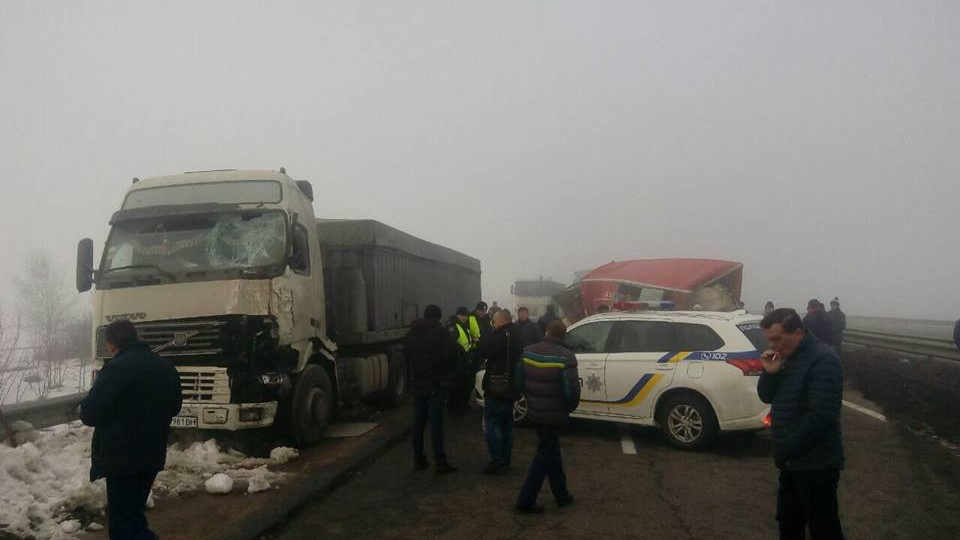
x=463, y=371
x=479, y=322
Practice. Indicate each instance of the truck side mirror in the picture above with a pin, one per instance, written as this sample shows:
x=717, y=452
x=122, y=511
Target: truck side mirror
x=84, y=265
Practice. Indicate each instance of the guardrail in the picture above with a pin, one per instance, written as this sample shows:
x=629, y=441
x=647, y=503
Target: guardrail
x=42, y=413
x=913, y=345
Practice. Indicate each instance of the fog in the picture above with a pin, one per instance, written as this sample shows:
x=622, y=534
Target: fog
x=817, y=144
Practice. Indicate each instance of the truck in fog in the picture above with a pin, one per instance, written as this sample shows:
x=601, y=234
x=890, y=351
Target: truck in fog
x=271, y=316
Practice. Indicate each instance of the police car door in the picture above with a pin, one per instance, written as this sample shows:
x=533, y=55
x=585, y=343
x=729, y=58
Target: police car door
x=589, y=343
x=639, y=365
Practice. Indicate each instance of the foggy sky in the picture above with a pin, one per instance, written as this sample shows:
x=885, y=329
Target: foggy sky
x=817, y=144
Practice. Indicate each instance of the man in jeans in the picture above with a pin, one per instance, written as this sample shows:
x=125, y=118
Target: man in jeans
x=502, y=349
x=431, y=353
x=549, y=379
x=803, y=383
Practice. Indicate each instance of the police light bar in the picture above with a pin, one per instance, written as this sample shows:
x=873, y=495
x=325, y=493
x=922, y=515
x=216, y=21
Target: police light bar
x=661, y=305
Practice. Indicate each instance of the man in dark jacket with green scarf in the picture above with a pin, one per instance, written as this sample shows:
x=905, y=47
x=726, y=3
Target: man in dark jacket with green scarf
x=548, y=378
x=803, y=383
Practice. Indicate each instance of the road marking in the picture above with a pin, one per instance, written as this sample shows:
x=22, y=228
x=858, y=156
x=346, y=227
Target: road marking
x=626, y=440
x=865, y=411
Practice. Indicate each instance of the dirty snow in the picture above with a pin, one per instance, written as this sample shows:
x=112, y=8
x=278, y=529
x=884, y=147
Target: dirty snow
x=44, y=482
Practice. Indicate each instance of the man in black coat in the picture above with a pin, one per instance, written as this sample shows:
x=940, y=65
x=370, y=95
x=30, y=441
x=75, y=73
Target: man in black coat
x=803, y=383
x=431, y=354
x=528, y=330
x=817, y=322
x=547, y=318
x=503, y=349
x=838, y=323
x=130, y=405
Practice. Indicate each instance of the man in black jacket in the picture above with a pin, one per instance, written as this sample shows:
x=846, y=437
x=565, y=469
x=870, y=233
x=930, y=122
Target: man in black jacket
x=838, y=323
x=817, y=323
x=548, y=377
x=130, y=405
x=431, y=354
x=803, y=383
x=502, y=348
x=547, y=318
x=528, y=330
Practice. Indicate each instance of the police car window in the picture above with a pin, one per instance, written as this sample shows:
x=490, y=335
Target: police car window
x=589, y=338
x=697, y=337
x=755, y=334
x=645, y=336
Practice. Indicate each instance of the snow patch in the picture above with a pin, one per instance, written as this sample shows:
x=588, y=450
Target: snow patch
x=283, y=454
x=219, y=484
x=70, y=526
x=258, y=480
x=45, y=482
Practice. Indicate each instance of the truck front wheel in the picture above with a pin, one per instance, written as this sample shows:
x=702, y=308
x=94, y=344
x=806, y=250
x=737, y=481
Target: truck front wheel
x=312, y=406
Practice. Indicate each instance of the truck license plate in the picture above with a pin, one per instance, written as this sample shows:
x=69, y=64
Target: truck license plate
x=184, y=421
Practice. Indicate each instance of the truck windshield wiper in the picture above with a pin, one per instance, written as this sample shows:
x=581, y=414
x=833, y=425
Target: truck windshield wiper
x=166, y=273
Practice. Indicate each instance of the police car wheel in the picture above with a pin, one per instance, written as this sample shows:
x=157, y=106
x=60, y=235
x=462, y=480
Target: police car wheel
x=688, y=422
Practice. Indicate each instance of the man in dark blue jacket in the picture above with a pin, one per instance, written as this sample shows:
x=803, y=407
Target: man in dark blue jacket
x=803, y=383
x=548, y=378
x=130, y=405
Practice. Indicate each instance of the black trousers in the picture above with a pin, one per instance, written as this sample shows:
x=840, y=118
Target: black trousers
x=428, y=405
x=547, y=465
x=126, y=499
x=809, y=499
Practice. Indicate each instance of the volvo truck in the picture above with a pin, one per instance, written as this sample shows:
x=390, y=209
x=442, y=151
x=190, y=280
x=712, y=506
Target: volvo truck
x=271, y=316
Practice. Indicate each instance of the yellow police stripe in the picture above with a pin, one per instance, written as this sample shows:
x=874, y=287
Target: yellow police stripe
x=642, y=393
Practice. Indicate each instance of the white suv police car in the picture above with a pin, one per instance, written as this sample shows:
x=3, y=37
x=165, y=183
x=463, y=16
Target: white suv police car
x=693, y=374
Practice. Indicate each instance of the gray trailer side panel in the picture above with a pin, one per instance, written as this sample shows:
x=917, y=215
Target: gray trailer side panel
x=376, y=288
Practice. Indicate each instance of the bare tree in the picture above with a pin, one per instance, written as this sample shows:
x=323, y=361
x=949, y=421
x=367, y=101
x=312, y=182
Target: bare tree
x=45, y=303
x=10, y=372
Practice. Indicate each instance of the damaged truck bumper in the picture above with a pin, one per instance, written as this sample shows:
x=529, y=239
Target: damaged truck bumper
x=227, y=416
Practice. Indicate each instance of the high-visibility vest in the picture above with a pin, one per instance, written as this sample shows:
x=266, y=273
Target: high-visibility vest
x=463, y=338
x=474, y=327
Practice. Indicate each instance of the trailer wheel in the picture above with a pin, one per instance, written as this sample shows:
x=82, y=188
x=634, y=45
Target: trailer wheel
x=397, y=385
x=311, y=406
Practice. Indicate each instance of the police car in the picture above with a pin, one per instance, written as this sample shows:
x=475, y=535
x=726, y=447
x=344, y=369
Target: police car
x=693, y=374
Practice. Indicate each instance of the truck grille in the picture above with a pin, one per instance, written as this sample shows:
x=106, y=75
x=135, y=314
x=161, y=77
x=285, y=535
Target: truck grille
x=190, y=338
x=207, y=385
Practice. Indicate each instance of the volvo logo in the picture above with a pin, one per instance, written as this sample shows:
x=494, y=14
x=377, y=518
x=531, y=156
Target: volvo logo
x=131, y=316
x=180, y=338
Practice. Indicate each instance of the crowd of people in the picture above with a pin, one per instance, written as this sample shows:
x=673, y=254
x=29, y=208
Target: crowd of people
x=518, y=357
x=827, y=326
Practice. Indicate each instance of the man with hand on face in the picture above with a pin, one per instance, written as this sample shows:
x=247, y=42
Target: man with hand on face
x=803, y=383
x=130, y=406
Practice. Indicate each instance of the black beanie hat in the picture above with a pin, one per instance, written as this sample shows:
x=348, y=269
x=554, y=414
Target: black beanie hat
x=432, y=312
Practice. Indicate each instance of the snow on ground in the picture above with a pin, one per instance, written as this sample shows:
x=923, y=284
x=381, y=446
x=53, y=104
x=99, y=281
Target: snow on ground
x=76, y=378
x=44, y=482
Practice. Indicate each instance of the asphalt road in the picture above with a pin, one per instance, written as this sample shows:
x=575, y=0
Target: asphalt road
x=897, y=486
